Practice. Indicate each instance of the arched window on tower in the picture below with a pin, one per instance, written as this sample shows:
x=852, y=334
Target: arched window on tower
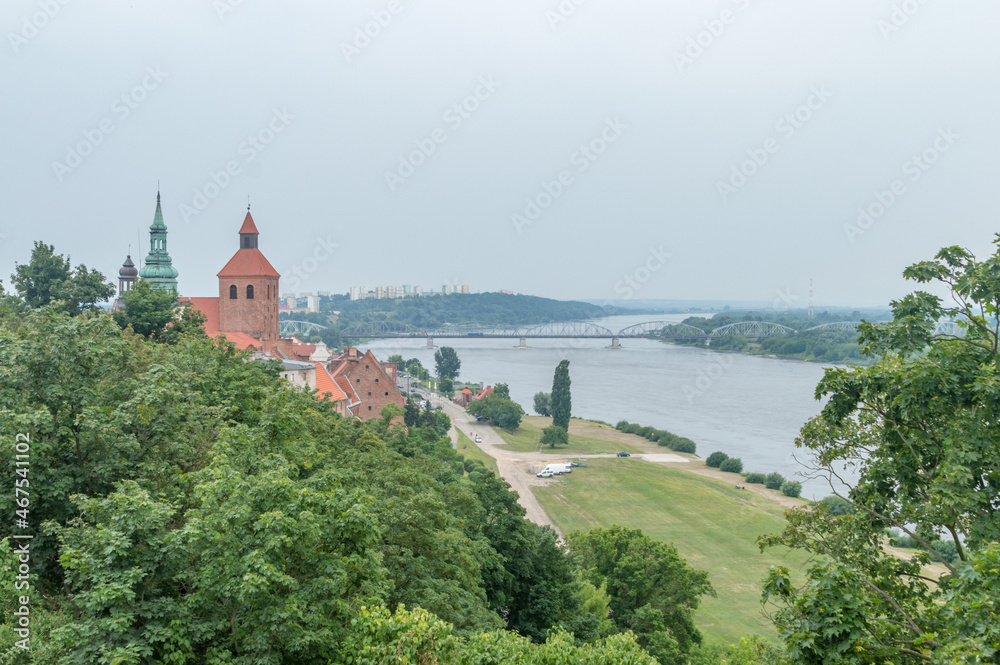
x=249, y=291
x=232, y=292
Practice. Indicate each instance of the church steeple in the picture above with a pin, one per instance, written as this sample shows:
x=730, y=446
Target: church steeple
x=248, y=232
x=159, y=269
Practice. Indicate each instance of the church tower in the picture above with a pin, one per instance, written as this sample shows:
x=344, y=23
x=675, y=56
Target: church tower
x=248, y=289
x=159, y=269
x=126, y=280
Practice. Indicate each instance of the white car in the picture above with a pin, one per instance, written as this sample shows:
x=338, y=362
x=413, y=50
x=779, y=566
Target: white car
x=546, y=473
x=479, y=439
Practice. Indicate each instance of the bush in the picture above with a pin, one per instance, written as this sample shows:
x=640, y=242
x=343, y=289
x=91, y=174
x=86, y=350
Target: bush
x=716, y=459
x=792, y=488
x=732, y=465
x=774, y=481
x=555, y=436
x=756, y=478
x=684, y=446
x=836, y=506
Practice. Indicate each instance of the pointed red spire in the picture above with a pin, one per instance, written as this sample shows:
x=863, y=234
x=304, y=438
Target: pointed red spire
x=248, y=225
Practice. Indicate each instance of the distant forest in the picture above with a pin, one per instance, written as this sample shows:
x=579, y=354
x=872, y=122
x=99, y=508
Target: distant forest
x=823, y=345
x=431, y=312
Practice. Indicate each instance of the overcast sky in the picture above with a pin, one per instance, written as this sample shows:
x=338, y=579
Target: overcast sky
x=703, y=150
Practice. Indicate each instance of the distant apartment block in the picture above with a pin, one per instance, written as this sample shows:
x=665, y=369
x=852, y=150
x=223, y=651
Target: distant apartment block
x=403, y=291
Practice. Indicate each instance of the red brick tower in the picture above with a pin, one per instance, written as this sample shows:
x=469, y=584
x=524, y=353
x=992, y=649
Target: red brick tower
x=248, y=289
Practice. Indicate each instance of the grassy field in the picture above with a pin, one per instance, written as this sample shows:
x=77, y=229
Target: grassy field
x=711, y=523
x=466, y=448
x=585, y=438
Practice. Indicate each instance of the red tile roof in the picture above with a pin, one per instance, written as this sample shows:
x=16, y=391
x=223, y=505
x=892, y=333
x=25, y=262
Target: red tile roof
x=242, y=340
x=210, y=308
x=248, y=263
x=248, y=225
x=326, y=387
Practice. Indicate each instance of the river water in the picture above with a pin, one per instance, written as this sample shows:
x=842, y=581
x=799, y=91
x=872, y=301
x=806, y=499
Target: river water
x=750, y=407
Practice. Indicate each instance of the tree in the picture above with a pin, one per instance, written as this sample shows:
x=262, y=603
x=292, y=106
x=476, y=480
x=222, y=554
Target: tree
x=543, y=404
x=502, y=390
x=47, y=278
x=502, y=412
x=731, y=465
x=716, y=459
x=561, y=400
x=653, y=591
x=447, y=363
x=554, y=435
x=919, y=427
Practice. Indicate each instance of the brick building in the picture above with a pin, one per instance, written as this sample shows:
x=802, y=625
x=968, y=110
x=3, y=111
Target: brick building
x=371, y=380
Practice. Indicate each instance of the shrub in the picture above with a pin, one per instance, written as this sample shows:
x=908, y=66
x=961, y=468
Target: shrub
x=837, y=506
x=792, y=488
x=684, y=446
x=716, y=459
x=732, y=465
x=756, y=478
x=554, y=436
x=774, y=481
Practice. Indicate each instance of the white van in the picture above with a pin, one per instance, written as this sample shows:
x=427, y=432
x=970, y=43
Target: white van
x=558, y=468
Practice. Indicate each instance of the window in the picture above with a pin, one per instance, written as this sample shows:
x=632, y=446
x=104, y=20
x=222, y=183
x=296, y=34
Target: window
x=232, y=292
x=249, y=291
x=246, y=242
x=369, y=408
x=376, y=380
x=369, y=394
x=386, y=393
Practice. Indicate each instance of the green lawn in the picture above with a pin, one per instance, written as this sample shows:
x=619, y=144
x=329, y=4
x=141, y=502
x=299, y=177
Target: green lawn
x=712, y=524
x=526, y=439
x=468, y=449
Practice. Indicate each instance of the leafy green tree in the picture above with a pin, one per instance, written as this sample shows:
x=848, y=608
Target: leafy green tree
x=447, y=363
x=836, y=505
x=731, y=465
x=446, y=385
x=716, y=459
x=502, y=390
x=561, y=399
x=774, y=481
x=554, y=436
x=398, y=359
x=792, y=488
x=47, y=277
x=155, y=314
x=919, y=426
x=502, y=412
x=652, y=589
x=543, y=404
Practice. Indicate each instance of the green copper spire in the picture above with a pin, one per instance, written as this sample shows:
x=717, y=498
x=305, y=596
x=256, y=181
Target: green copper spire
x=159, y=269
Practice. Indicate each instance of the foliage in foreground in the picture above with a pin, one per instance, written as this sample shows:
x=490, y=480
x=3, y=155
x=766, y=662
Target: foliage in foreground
x=189, y=506
x=920, y=427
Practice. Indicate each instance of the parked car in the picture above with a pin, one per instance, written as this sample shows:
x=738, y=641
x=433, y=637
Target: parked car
x=545, y=473
x=438, y=408
x=623, y=454
x=479, y=439
x=580, y=464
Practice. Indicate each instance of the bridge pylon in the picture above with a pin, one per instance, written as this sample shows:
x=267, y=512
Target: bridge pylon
x=615, y=344
x=430, y=343
x=522, y=344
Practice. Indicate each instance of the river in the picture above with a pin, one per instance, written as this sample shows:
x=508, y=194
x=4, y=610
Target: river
x=750, y=407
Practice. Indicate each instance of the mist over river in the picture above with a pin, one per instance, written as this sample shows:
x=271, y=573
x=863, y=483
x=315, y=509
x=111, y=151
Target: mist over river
x=750, y=407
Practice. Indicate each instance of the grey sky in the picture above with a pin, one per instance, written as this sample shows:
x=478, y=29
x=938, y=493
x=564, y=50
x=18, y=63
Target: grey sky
x=209, y=78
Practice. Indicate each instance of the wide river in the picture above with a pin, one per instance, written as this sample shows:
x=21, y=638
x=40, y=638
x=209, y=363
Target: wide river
x=750, y=407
